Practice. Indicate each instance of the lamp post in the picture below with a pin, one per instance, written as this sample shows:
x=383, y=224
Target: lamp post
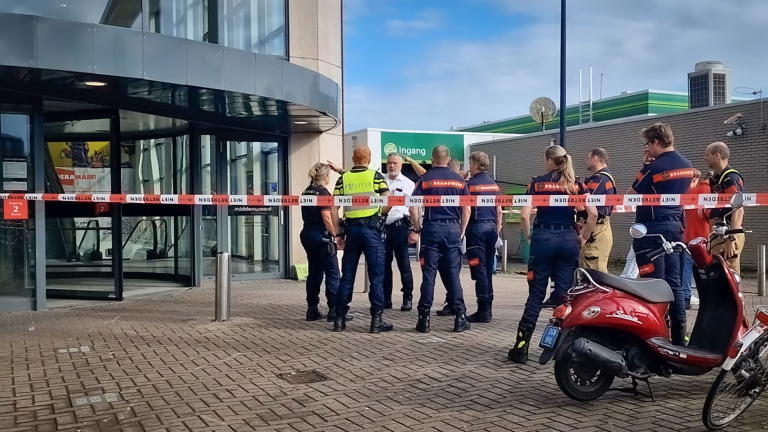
x=562, y=73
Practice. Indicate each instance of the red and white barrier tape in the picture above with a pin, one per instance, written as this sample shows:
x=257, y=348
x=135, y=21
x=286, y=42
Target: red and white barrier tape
x=621, y=203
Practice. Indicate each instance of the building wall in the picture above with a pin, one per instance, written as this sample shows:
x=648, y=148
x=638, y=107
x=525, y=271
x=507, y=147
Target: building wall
x=314, y=42
x=520, y=159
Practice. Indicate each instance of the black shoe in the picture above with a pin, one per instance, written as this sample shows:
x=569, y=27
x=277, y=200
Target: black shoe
x=378, y=324
x=460, y=323
x=332, y=316
x=688, y=304
x=678, y=333
x=551, y=303
x=483, y=314
x=447, y=310
x=313, y=314
x=388, y=304
x=339, y=324
x=422, y=326
x=407, y=304
x=519, y=354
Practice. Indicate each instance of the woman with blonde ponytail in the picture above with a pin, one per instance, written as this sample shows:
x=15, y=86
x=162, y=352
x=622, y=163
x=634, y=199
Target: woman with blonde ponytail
x=555, y=243
x=318, y=237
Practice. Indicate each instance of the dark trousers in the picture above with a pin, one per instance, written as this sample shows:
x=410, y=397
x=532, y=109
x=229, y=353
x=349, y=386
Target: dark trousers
x=481, y=249
x=361, y=239
x=321, y=261
x=554, y=254
x=445, y=277
x=397, y=248
x=441, y=248
x=667, y=267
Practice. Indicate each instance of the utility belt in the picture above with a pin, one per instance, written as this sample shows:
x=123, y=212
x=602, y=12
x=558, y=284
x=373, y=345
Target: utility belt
x=318, y=227
x=482, y=221
x=555, y=227
x=442, y=221
x=661, y=219
x=405, y=221
x=376, y=221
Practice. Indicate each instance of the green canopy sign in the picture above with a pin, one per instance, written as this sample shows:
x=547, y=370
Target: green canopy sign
x=419, y=145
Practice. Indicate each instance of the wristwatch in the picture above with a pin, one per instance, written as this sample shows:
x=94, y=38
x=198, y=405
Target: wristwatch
x=416, y=231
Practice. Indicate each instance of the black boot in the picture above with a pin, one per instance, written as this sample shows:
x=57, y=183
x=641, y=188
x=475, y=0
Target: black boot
x=483, y=314
x=447, y=310
x=339, y=324
x=378, y=324
x=423, y=325
x=407, y=304
x=519, y=354
x=313, y=314
x=678, y=333
x=388, y=304
x=460, y=323
x=332, y=316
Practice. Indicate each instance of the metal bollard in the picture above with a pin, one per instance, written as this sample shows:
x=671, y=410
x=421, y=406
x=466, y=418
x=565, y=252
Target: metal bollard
x=504, y=257
x=223, y=284
x=761, y=270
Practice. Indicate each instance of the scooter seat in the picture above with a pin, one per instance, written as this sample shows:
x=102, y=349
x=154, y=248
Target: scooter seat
x=651, y=290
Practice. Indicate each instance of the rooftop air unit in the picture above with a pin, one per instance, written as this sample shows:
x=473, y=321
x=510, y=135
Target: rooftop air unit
x=709, y=85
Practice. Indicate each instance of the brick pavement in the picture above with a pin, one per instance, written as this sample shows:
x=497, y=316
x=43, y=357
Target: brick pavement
x=175, y=370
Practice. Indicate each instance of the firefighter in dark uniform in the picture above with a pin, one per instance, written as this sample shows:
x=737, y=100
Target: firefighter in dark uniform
x=363, y=234
x=726, y=180
x=597, y=249
x=482, y=234
x=319, y=240
x=668, y=173
x=443, y=228
x=555, y=242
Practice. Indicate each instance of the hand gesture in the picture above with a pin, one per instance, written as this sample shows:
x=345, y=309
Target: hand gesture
x=729, y=249
x=413, y=238
x=334, y=167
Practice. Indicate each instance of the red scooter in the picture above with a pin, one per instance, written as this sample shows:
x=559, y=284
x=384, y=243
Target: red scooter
x=616, y=327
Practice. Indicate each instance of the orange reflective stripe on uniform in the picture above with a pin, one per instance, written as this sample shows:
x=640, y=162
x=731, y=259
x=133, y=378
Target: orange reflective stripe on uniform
x=530, y=275
x=473, y=262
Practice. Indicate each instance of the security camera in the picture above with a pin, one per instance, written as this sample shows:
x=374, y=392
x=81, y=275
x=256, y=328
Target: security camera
x=735, y=132
x=733, y=119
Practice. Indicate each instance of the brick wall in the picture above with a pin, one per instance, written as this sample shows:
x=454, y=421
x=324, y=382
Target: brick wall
x=519, y=159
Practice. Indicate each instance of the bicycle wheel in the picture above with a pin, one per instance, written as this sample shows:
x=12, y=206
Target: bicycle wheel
x=735, y=390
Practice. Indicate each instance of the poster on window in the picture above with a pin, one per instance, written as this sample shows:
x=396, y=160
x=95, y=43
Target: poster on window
x=83, y=167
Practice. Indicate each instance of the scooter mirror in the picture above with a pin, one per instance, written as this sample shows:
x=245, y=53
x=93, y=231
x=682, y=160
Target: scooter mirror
x=638, y=230
x=737, y=200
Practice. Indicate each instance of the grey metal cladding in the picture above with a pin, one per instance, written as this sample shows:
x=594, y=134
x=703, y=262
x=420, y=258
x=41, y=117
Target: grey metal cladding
x=269, y=76
x=325, y=94
x=118, y=52
x=205, y=65
x=310, y=94
x=293, y=76
x=18, y=40
x=30, y=41
x=335, y=99
x=239, y=71
x=165, y=58
x=64, y=45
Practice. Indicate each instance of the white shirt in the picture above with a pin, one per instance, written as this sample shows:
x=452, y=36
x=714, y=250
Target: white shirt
x=400, y=186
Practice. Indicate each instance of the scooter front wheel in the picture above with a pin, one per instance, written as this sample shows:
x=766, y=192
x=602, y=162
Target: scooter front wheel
x=735, y=390
x=580, y=381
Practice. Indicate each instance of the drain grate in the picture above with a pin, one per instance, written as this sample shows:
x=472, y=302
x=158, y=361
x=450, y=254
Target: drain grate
x=306, y=377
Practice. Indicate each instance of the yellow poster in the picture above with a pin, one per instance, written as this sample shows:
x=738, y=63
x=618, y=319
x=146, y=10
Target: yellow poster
x=82, y=154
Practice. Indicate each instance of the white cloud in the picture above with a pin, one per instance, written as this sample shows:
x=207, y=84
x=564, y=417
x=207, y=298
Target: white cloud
x=429, y=19
x=637, y=45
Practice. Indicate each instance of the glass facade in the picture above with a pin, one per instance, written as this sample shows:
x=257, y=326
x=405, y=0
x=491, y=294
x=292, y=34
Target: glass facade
x=17, y=237
x=251, y=25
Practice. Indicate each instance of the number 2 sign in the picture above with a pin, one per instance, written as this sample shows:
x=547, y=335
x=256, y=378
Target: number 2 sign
x=15, y=209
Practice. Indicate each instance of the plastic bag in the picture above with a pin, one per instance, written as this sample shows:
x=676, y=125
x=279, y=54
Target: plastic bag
x=630, y=268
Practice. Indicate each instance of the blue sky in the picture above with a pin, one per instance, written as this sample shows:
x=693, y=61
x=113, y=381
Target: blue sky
x=430, y=65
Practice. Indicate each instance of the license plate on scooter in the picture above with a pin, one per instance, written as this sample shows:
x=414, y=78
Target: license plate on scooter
x=549, y=337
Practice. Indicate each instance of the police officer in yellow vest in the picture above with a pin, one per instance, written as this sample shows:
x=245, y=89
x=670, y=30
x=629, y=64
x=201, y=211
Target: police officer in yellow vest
x=362, y=236
x=726, y=180
x=597, y=249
